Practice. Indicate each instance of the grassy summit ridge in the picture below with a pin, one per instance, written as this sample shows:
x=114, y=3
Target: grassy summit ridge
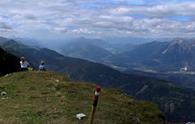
x=49, y=98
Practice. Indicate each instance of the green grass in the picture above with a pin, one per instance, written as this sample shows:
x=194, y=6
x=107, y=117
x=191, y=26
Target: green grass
x=49, y=98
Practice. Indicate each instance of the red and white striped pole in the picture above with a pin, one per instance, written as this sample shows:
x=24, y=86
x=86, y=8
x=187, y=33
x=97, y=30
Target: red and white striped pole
x=95, y=103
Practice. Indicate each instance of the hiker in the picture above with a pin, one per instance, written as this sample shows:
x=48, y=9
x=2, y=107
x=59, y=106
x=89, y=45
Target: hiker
x=24, y=65
x=42, y=66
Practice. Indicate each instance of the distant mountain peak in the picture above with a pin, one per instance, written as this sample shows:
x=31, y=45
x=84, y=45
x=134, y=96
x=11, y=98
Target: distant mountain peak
x=182, y=41
x=180, y=45
x=178, y=41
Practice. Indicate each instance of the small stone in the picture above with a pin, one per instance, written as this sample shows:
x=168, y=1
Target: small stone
x=80, y=116
x=3, y=93
x=57, y=81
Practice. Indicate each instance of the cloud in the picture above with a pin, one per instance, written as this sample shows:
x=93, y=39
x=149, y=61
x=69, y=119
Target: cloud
x=99, y=17
x=5, y=27
x=183, y=9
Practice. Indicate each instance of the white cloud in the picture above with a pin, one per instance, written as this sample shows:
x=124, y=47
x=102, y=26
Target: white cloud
x=99, y=17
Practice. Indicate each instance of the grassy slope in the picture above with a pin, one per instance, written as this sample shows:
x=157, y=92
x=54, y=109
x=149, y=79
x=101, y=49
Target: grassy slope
x=40, y=98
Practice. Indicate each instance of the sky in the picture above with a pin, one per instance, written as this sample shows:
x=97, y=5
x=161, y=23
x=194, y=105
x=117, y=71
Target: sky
x=43, y=19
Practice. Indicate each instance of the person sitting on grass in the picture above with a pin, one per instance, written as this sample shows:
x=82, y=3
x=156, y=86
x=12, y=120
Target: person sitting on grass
x=42, y=66
x=24, y=65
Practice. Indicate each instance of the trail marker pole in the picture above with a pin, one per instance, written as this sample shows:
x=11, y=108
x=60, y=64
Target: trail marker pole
x=95, y=103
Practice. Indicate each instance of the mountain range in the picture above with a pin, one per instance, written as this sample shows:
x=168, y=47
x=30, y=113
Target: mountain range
x=156, y=56
x=166, y=60
x=93, y=50
x=159, y=56
x=175, y=101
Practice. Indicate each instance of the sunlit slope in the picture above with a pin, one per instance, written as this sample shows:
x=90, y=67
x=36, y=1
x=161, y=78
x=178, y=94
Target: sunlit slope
x=43, y=98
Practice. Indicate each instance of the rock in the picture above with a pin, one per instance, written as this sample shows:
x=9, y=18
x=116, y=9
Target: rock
x=57, y=81
x=80, y=116
x=3, y=93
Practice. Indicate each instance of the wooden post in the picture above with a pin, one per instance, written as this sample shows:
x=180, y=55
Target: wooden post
x=95, y=103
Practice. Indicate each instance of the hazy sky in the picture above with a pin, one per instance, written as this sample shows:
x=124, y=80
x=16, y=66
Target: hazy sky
x=97, y=18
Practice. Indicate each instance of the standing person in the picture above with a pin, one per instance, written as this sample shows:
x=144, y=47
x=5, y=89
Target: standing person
x=24, y=64
x=42, y=66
